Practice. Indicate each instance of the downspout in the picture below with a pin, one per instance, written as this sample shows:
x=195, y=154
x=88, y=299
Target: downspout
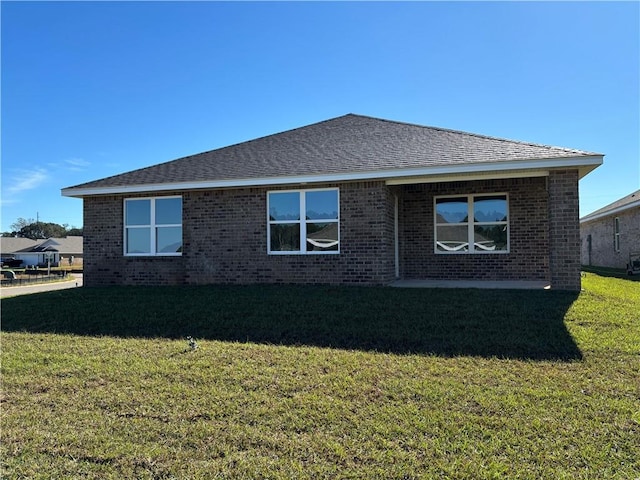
x=396, y=236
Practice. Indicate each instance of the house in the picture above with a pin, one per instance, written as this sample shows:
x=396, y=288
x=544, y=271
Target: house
x=59, y=251
x=350, y=200
x=11, y=246
x=611, y=234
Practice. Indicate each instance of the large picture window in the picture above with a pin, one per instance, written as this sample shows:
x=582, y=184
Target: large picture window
x=303, y=221
x=153, y=226
x=472, y=224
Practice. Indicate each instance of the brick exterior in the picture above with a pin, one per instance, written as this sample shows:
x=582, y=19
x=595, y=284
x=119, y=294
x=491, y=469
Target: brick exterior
x=564, y=230
x=225, y=238
x=528, y=258
x=221, y=249
x=225, y=241
x=104, y=262
x=602, y=253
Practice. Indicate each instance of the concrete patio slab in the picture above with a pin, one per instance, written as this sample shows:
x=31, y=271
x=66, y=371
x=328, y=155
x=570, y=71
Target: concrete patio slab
x=488, y=284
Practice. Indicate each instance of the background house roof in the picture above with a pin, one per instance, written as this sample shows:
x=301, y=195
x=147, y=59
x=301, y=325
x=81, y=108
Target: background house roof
x=347, y=145
x=630, y=201
x=71, y=245
x=10, y=245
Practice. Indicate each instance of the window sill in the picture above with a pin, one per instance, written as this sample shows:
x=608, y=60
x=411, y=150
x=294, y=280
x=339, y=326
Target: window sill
x=492, y=252
x=302, y=253
x=151, y=255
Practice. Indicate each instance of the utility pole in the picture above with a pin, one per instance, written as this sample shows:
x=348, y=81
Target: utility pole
x=38, y=231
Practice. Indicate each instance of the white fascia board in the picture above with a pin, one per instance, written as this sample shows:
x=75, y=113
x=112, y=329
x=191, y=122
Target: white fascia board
x=513, y=169
x=622, y=208
x=536, y=164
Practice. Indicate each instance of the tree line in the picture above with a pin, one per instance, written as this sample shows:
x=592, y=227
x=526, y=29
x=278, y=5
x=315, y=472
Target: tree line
x=35, y=230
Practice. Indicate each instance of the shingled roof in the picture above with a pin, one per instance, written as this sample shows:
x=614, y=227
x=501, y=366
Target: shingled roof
x=66, y=245
x=625, y=203
x=350, y=147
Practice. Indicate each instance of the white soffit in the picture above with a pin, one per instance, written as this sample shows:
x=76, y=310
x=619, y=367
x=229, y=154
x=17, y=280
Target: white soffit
x=467, y=177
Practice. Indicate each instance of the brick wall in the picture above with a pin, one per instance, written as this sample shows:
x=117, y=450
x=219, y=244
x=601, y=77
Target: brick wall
x=102, y=236
x=528, y=223
x=225, y=241
x=564, y=230
x=104, y=260
x=225, y=238
x=603, y=253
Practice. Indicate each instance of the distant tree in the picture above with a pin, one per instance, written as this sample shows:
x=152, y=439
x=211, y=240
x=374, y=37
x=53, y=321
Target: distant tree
x=40, y=230
x=20, y=223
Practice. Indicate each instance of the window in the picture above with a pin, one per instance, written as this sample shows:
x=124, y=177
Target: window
x=303, y=222
x=153, y=226
x=616, y=234
x=472, y=224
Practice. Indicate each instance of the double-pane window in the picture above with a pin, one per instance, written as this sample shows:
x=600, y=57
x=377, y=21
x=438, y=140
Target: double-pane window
x=472, y=224
x=153, y=226
x=303, y=221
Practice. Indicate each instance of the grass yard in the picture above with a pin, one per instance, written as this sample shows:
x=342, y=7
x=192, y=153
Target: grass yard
x=322, y=382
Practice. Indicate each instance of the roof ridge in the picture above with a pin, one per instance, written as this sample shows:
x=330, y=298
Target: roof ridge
x=477, y=135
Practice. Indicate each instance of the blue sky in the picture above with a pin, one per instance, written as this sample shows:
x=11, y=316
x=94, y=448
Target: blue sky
x=93, y=89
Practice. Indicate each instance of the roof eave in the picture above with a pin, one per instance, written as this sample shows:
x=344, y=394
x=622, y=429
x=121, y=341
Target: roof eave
x=584, y=164
x=613, y=211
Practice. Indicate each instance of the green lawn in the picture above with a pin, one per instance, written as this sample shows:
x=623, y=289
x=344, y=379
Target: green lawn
x=322, y=382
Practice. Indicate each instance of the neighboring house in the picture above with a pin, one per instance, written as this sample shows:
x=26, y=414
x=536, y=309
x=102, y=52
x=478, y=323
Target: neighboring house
x=351, y=200
x=60, y=251
x=9, y=246
x=611, y=234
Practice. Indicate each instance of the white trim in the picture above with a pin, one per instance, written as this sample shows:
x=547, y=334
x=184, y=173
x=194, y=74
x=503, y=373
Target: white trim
x=468, y=177
x=302, y=222
x=622, y=208
x=473, y=248
x=152, y=227
x=586, y=163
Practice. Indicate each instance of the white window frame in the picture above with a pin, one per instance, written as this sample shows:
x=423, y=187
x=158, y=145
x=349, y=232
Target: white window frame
x=152, y=226
x=616, y=234
x=302, y=222
x=470, y=224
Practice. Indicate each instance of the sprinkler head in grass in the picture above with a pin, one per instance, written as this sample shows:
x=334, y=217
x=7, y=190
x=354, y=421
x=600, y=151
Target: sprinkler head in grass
x=192, y=343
